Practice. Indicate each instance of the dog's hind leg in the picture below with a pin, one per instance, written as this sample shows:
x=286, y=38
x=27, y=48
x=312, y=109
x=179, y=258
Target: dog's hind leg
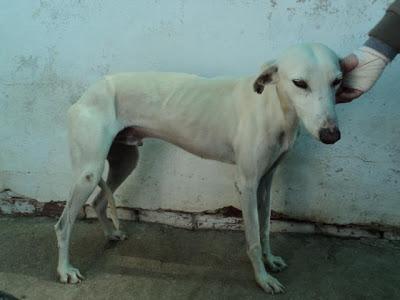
x=90, y=139
x=108, y=194
x=122, y=161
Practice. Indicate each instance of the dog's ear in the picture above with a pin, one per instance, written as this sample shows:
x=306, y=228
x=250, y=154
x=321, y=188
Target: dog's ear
x=268, y=75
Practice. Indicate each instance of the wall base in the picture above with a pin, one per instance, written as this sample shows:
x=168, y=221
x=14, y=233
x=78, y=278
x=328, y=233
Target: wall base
x=227, y=218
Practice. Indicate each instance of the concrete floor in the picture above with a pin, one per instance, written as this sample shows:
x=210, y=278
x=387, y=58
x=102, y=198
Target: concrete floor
x=160, y=262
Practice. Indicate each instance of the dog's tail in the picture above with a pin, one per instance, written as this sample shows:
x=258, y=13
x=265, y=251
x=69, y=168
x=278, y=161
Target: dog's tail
x=111, y=202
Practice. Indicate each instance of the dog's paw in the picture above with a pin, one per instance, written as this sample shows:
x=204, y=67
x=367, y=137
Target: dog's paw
x=70, y=275
x=275, y=263
x=117, y=235
x=270, y=284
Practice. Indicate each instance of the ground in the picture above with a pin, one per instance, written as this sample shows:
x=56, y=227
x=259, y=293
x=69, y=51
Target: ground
x=161, y=262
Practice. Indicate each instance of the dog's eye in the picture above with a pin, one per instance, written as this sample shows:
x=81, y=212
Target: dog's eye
x=300, y=84
x=336, y=82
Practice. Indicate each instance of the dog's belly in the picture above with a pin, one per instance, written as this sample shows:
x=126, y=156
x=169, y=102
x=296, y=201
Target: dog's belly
x=202, y=146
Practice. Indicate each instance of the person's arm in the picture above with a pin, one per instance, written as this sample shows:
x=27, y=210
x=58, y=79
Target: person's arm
x=388, y=29
x=364, y=67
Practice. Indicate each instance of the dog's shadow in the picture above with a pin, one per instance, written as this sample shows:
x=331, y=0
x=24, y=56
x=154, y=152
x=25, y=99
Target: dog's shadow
x=151, y=250
x=157, y=250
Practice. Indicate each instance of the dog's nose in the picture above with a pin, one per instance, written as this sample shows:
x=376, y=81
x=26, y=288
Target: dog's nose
x=329, y=135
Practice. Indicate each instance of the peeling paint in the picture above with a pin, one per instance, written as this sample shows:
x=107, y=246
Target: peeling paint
x=56, y=14
x=15, y=204
x=226, y=218
x=323, y=7
x=27, y=62
x=227, y=211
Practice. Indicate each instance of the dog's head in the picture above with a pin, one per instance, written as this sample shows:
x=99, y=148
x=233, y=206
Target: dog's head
x=307, y=77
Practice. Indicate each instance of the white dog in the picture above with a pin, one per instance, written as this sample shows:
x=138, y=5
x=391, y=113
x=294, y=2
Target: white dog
x=251, y=122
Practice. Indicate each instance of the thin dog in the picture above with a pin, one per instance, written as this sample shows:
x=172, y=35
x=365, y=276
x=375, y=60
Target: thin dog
x=250, y=122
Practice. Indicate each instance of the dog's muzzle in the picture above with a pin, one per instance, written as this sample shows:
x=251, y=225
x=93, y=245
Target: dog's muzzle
x=329, y=135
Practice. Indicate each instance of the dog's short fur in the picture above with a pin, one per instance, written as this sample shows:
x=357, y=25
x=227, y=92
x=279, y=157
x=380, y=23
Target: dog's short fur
x=251, y=122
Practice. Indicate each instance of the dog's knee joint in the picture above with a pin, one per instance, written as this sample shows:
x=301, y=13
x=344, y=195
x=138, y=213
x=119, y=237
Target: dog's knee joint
x=89, y=177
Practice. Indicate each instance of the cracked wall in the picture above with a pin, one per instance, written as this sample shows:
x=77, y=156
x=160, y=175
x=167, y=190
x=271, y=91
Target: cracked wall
x=52, y=50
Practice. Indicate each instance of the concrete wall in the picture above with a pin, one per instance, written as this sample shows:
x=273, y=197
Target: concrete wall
x=51, y=50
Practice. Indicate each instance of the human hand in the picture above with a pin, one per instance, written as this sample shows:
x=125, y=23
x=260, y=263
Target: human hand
x=361, y=70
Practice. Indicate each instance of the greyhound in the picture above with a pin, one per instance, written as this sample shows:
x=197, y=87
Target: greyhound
x=250, y=122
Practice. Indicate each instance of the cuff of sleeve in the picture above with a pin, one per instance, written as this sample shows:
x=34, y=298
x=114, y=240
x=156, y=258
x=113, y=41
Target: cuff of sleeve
x=381, y=47
x=387, y=30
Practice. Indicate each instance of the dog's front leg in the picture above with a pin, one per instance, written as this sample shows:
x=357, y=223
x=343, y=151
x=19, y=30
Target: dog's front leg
x=274, y=263
x=248, y=189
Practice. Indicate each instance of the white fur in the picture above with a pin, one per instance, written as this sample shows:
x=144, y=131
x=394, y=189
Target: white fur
x=219, y=119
